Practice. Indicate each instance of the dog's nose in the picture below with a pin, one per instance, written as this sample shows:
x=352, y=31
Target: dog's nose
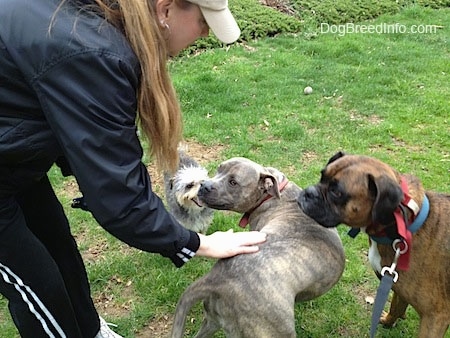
x=311, y=192
x=205, y=187
x=308, y=199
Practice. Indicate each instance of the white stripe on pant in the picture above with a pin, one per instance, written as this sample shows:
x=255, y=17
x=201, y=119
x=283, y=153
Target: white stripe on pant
x=25, y=291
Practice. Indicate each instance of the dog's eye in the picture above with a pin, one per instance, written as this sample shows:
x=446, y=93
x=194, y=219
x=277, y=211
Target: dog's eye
x=232, y=182
x=190, y=185
x=334, y=191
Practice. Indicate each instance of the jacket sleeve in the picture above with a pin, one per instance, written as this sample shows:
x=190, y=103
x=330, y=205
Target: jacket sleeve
x=89, y=101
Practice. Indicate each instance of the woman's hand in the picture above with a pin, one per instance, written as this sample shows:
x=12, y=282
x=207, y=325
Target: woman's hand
x=227, y=244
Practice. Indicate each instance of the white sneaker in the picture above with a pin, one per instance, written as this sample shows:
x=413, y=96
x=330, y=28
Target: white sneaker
x=105, y=331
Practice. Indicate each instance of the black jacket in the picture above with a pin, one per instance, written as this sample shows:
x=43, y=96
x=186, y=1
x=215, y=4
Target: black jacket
x=68, y=88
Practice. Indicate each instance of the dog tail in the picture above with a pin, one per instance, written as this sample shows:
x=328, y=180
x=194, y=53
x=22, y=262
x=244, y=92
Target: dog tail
x=191, y=296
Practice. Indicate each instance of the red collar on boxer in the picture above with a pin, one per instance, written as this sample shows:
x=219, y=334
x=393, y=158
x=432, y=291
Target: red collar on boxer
x=405, y=226
x=244, y=220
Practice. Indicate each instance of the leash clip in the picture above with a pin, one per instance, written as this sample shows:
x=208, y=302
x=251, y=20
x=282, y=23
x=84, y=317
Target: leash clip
x=398, y=251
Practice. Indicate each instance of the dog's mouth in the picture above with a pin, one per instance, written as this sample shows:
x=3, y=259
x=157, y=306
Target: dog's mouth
x=197, y=202
x=203, y=204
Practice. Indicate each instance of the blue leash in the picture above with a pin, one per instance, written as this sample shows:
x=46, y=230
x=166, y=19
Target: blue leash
x=389, y=277
x=387, y=280
x=382, y=295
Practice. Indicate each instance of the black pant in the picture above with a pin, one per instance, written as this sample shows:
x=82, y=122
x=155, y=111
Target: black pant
x=41, y=271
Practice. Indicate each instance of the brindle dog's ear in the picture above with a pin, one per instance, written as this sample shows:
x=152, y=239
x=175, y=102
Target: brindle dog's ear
x=388, y=195
x=270, y=185
x=335, y=157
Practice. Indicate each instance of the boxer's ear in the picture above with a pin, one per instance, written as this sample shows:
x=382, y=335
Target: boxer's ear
x=270, y=185
x=335, y=157
x=388, y=195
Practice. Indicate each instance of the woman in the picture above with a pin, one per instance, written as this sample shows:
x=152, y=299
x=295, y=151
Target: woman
x=73, y=74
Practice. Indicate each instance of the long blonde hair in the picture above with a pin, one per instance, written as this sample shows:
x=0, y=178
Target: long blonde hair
x=159, y=113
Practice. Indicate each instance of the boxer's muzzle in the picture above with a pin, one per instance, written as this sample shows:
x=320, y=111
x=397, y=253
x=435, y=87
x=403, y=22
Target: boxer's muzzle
x=313, y=203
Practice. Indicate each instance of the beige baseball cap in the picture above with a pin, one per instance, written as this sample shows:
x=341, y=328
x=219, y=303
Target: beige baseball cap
x=219, y=19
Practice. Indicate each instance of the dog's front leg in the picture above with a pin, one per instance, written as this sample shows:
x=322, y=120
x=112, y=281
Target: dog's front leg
x=396, y=311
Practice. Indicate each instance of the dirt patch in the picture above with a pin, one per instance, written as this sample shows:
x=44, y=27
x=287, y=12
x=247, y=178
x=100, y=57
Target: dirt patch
x=282, y=6
x=108, y=305
x=158, y=328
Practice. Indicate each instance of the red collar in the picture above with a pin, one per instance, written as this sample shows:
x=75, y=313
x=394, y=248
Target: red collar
x=244, y=220
x=403, y=223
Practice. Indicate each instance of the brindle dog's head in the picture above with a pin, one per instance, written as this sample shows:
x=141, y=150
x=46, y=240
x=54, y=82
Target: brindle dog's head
x=353, y=190
x=239, y=185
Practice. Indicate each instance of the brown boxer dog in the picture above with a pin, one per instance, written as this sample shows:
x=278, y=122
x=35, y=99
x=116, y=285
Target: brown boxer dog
x=369, y=195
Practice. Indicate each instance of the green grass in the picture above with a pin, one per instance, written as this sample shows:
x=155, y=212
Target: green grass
x=384, y=95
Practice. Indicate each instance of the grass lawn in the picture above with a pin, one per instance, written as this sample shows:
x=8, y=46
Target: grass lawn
x=383, y=95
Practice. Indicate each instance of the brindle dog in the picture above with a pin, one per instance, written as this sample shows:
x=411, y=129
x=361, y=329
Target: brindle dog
x=253, y=295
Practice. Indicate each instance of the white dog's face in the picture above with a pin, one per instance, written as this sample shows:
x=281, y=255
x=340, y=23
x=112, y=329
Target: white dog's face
x=186, y=184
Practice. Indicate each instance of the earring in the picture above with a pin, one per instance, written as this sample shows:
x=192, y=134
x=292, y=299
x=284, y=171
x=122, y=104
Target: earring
x=166, y=27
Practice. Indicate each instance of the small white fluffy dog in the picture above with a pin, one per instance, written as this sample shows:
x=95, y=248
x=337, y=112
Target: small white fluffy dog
x=181, y=194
